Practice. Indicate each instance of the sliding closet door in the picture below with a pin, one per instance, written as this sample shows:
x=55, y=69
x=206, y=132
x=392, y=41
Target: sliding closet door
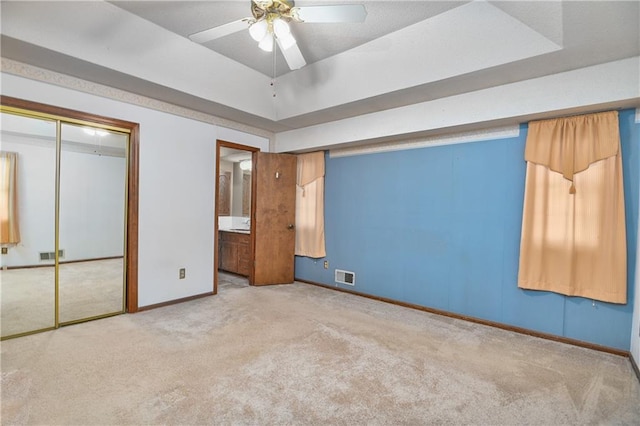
x=93, y=177
x=27, y=228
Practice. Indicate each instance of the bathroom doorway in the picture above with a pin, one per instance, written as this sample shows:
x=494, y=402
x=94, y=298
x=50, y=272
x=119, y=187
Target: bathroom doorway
x=234, y=238
x=256, y=241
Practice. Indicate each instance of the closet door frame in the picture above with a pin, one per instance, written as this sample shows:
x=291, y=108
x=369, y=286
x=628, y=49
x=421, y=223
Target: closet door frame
x=64, y=114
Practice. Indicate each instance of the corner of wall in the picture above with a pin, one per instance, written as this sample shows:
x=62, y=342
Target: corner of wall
x=635, y=326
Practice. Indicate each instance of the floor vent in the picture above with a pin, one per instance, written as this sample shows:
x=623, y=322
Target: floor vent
x=51, y=255
x=345, y=277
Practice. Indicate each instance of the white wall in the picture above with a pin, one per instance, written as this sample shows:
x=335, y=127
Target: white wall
x=176, y=188
x=236, y=136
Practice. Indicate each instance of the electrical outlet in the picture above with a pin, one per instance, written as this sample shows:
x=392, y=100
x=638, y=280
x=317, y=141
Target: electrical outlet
x=326, y=264
x=183, y=273
x=5, y=250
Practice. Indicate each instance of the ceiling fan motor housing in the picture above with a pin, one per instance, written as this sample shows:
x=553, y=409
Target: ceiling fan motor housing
x=276, y=8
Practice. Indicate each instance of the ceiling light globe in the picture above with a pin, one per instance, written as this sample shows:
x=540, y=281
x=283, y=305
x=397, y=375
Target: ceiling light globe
x=281, y=28
x=245, y=165
x=258, y=30
x=266, y=43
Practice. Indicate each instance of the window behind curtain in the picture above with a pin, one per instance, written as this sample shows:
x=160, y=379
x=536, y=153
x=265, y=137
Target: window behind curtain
x=9, y=229
x=573, y=227
x=310, y=205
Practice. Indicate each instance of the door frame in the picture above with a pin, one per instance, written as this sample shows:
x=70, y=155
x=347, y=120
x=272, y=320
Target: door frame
x=226, y=144
x=131, y=273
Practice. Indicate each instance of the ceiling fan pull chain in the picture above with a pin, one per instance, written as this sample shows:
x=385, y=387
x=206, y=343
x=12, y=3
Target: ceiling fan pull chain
x=273, y=79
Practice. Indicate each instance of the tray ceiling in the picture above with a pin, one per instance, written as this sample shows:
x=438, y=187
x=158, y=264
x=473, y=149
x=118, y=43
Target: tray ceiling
x=405, y=53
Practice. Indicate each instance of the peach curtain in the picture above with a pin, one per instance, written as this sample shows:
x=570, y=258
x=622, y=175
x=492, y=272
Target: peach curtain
x=310, y=205
x=9, y=229
x=573, y=226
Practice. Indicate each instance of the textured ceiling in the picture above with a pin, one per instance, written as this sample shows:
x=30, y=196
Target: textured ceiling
x=316, y=41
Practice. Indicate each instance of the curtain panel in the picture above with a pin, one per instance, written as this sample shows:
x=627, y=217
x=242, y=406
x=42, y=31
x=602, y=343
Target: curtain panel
x=9, y=229
x=573, y=238
x=310, y=205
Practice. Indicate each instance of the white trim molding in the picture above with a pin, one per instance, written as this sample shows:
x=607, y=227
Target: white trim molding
x=457, y=138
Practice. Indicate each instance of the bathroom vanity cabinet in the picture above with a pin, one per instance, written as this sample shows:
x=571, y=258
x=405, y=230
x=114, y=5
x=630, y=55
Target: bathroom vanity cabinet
x=234, y=252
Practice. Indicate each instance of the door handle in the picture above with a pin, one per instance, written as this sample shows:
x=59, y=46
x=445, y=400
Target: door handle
x=290, y=226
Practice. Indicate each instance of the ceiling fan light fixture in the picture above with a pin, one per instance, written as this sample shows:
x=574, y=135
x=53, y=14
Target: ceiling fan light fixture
x=266, y=43
x=281, y=28
x=258, y=30
x=263, y=4
x=270, y=24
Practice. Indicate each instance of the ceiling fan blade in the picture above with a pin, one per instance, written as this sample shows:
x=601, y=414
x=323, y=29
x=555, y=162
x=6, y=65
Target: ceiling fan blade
x=293, y=56
x=220, y=31
x=330, y=13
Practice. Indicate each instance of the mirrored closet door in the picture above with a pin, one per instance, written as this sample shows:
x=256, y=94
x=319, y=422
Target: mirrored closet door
x=27, y=219
x=65, y=221
x=93, y=171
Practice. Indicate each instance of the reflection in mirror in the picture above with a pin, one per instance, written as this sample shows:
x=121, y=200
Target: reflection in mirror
x=234, y=255
x=242, y=187
x=27, y=215
x=235, y=168
x=92, y=222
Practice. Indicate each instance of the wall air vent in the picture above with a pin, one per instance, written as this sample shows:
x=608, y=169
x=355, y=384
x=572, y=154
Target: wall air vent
x=345, y=277
x=51, y=255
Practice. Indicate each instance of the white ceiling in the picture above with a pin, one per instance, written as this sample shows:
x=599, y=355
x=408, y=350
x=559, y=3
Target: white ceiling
x=317, y=41
x=406, y=53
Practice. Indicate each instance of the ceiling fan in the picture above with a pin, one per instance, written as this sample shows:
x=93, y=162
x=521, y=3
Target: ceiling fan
x=270, y=25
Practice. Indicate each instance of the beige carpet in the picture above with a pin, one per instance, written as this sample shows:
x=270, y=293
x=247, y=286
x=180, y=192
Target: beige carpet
x=300, y=354
x=87, y=289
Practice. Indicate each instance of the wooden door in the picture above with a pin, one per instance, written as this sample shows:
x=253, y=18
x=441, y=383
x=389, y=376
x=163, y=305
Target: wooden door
x=275, y=215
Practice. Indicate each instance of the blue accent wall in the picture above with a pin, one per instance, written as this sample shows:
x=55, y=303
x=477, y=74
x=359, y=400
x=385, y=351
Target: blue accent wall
x=440, y=227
